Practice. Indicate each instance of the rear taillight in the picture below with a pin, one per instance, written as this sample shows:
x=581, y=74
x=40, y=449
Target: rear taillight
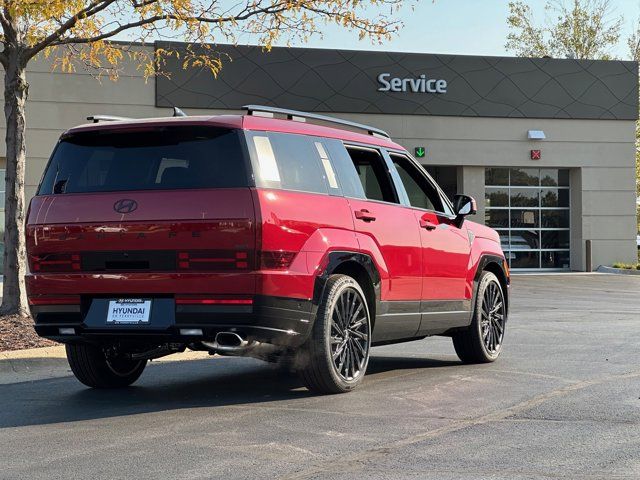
x=200, y=260
x=55, y=262
x=208, y=300
x=276, y=259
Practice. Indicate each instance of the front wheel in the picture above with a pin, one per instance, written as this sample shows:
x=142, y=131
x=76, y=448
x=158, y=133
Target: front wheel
x=91, y=366
x=336, y=356
x=482, y=341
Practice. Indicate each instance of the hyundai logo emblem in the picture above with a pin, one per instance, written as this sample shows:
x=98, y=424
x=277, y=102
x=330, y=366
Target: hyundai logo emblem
x=126, y=205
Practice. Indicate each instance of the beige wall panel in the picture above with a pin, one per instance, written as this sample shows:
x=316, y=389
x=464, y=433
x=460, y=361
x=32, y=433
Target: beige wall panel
x=471, y=182
x=500, y=129
x=608, y=178
x=29, y=192
x=33, y=172
x=605, y=203
x=45, y=115
x=607, y=252
x=61, y=87
x=609, y=227
x=481, y=153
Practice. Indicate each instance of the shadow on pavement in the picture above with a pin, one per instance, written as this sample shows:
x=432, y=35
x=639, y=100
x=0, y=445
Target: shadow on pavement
x=170, y=386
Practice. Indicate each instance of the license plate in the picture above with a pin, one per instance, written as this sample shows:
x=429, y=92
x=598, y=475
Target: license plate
x=129, y=311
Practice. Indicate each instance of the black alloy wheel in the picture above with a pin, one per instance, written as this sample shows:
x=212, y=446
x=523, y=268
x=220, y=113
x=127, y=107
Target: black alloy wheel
x=335, y=357
x=482, y=342
x=349, y=335
x=493, y=317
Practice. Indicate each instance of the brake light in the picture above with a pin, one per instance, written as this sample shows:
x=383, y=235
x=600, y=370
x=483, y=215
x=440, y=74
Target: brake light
x=213, y=260
x=55, y=262
x=276, y=259
x=203, y=300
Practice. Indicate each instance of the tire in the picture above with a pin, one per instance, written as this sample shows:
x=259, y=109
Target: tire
x=319, y=370
x=90, y=365
x=482, y=341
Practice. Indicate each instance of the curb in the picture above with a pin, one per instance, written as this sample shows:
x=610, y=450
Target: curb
x=617, y=271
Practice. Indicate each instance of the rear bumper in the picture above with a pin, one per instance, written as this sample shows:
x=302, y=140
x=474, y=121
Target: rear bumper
x=277, y=320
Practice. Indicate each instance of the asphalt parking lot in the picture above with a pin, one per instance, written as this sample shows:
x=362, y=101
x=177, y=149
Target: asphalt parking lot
x=562, y=402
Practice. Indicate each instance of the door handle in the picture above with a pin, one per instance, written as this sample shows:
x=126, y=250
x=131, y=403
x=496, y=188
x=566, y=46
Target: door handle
x=364, y=215
x=428, y=225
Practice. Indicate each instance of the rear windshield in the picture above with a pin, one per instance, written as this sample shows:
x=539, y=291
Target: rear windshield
x=162, y=158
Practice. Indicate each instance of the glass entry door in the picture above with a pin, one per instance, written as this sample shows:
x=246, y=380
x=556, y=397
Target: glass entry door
x=529, y=207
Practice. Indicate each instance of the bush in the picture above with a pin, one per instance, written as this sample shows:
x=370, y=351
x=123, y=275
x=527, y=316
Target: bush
x=627, y=266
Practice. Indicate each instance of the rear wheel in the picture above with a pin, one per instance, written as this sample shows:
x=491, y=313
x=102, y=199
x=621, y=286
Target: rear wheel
x=91, y=366
x=336, y=356
x=482, y=341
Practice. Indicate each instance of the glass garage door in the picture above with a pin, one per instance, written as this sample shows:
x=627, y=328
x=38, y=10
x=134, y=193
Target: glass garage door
x=529, y=207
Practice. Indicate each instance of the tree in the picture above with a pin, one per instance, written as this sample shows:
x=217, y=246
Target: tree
x=634, y=49
x=581, y=29
x=79, y=33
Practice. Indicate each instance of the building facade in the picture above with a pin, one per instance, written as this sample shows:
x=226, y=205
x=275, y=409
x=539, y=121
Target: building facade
x=546, y=146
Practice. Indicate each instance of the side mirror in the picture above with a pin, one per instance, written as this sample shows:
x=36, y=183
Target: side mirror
x=464, y=205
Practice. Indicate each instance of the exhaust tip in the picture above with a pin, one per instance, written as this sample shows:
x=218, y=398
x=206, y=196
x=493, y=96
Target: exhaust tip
x=230, y=339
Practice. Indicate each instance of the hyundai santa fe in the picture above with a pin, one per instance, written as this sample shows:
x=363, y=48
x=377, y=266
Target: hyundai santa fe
x=276, y=234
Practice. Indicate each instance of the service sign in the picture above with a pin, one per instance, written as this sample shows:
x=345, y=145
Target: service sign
x=352, y=81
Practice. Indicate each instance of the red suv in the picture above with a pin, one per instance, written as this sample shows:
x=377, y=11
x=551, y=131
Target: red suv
x=275, y=234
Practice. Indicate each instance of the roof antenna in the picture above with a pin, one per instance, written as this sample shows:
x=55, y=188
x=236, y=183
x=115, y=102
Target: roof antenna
x=178, y=113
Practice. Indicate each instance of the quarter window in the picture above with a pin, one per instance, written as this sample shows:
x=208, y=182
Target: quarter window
x=292, y=162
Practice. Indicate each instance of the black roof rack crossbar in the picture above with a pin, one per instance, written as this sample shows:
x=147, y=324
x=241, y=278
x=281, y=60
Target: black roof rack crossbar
x=295, y=114
x=106, y=118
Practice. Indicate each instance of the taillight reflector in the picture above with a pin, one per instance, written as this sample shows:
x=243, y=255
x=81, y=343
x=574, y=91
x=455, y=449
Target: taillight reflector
x=55, y=300
x=213, y=260
x=186, y=300
x=55, y=262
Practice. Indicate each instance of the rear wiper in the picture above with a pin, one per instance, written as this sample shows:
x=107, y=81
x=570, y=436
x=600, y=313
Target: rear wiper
x=60, y=186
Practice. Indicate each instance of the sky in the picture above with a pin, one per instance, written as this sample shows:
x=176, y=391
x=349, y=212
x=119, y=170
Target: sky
x=471, y=27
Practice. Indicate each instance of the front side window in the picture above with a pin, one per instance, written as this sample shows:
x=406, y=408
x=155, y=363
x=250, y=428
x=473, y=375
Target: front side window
x=373, y=174
x=154, y=159
x=421, y=192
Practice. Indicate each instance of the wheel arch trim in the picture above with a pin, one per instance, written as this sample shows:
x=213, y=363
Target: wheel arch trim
x=333, y=262
x=494, y=264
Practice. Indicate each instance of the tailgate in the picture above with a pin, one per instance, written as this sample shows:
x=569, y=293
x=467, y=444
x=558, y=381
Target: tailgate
x=143, y=232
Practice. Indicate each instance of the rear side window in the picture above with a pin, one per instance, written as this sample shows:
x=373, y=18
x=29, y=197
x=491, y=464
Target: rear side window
x=292, y=162
x=184, y=157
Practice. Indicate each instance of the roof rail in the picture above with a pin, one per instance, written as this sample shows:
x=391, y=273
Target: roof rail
x=303, y=116
x=106, y=118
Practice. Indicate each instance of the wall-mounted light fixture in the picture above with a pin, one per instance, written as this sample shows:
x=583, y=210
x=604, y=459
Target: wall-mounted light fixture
x=536, y=135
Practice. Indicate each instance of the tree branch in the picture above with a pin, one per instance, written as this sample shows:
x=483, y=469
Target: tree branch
x=272, y=9
x=90, y=10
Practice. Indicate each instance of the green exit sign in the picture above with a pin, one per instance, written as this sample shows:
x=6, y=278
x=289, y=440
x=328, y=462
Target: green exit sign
x=420, y=152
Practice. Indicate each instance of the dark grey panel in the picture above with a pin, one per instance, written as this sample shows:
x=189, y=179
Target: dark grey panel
x=318, y=80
